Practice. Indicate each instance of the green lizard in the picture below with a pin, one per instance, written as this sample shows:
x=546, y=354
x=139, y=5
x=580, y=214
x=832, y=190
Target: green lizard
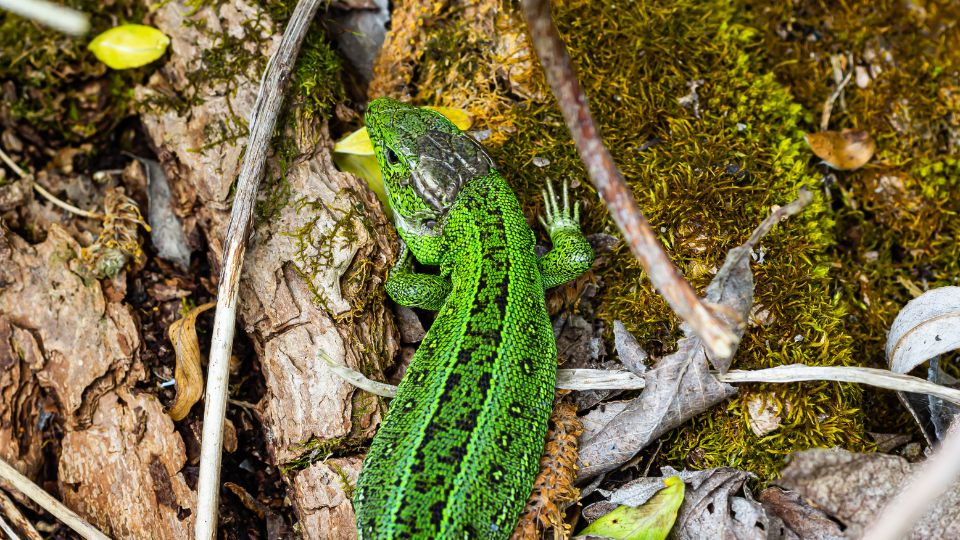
x=460, y=447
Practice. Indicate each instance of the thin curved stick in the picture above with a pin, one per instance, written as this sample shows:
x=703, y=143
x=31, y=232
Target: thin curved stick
x=607, y=178
x=881, y=378
x=263, y=119
x=48, y=503
x=46, y=194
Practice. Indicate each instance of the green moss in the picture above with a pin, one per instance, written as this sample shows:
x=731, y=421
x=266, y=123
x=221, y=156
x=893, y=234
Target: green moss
x=61, y=93
x=896, y=218
x=316, y=450
x=319, y=76
x=705, y=177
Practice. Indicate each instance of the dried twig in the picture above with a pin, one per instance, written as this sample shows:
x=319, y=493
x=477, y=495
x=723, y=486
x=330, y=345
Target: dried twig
x=880, y=378
x=48, y=503
x=262, y=122
x=837, y=93
x=11, y=534
x=46, y=194
x=567, y=379
x=904, y=510
x=611, y=186
x=17, y=519
x=62, y=18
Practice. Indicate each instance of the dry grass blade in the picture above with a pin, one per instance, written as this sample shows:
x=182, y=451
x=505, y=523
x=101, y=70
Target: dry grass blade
x=189, y=376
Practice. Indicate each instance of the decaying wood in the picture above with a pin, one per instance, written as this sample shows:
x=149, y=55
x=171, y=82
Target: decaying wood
x=23, y=485
x=142, y=453
x=322, y=493
x=84, y=367
x=312, y=276
x=81, y=360
x=610, y=184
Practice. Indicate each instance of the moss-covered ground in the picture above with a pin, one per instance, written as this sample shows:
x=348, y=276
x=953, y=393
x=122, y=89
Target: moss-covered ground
x=707, y=170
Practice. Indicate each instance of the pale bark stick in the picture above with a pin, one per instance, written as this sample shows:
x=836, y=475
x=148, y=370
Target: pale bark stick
x=62, y=18
x=612, y=188
x=263, y=119
x=47, y=502
x=881, y=378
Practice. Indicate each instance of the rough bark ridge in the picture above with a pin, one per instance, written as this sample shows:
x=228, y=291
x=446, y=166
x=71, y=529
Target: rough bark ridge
x=312, y=277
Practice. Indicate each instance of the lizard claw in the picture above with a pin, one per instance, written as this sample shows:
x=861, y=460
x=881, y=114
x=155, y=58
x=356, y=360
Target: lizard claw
x=559, y=213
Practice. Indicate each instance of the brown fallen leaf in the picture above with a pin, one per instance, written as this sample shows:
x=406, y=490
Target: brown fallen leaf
x=798, y=517
x=189, y=376
x=843, y=150
x=854, y=488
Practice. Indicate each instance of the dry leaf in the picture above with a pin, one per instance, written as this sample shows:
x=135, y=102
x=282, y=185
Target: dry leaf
x=854, y=488
x=166, y=230
x=763, y=413
x=677, y=387
x=189, y=376
x=927, y=327
x=800, y=520
x=845, y=150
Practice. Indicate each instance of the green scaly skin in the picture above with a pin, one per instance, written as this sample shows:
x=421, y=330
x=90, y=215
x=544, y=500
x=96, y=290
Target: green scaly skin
x=460, y=447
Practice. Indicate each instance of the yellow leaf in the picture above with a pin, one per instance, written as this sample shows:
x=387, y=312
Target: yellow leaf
x=459, y=117
x=189, y=376
x=365, y=167
x=650, y=521
x=357, y=143
x=129, y=46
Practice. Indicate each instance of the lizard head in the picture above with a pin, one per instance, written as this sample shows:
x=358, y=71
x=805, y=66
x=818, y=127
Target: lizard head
x=425, y=160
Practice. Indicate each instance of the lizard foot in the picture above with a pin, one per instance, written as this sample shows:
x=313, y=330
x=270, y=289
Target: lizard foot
x=559, y=215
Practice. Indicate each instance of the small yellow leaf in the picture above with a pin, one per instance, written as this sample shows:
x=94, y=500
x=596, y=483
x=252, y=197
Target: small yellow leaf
x=357, y=143
x=129, y=46
x=650, y=521
x=843, y=150
x=189, y=376
x=459, y=117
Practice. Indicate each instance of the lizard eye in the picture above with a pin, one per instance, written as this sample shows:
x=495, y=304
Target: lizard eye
x=430, y=224
x=391, y=157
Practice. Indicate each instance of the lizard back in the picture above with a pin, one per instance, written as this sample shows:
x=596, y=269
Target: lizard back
x=460, y=446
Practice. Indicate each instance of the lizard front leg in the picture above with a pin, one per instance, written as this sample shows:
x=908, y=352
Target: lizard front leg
x=413, y=289
x=571, y=254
